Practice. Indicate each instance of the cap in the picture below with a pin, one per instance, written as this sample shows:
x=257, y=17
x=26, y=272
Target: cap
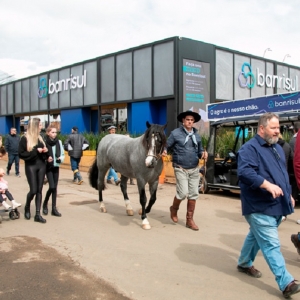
x=75, y=128
x=111, y=127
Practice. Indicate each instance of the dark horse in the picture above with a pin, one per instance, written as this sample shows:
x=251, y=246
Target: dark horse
x=138, y=158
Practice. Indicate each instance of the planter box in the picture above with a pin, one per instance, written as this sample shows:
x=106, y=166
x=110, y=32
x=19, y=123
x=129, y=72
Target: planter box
x=169, y=170
x=86, y=161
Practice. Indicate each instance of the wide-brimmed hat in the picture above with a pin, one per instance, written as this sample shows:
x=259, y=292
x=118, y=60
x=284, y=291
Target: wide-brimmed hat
x=182, y=115
x=111, y=127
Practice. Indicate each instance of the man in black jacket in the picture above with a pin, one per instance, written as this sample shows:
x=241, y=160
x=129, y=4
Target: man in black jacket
x=75, y=144
x=11, y=146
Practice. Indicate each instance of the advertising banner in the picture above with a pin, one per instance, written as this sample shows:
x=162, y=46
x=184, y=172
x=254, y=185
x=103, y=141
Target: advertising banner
x=254, y=106
x=196, y=88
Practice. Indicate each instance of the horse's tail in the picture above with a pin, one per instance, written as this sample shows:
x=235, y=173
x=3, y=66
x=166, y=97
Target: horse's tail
x=93, y=175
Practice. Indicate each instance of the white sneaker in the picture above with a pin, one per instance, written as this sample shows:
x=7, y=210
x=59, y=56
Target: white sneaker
x=283, y=218
x=15, y=204
x=6, y=206
x=298, y=222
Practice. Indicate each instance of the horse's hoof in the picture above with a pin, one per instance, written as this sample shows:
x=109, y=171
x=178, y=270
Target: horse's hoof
x=103, y=210
x=140, y=211
x=129, y=212
x=146, y=226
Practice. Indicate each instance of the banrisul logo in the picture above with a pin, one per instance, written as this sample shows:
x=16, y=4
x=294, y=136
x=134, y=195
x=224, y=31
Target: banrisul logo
x=43, y=89
x=247, y=79
x=73, y=82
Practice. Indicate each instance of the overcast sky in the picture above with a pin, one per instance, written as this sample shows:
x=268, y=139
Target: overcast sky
x=37, y=36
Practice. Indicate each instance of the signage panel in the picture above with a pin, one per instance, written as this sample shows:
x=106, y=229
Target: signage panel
x=196, y=88
x=254, y=106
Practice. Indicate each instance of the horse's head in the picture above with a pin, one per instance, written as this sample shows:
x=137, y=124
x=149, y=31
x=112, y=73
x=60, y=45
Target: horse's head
x=154, y=142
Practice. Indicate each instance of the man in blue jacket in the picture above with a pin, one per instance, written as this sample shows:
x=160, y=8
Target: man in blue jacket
x=12, y=147
x=186, y=147
x=266, y=197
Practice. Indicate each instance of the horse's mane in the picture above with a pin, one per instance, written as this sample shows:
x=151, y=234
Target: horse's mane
x=154, y=128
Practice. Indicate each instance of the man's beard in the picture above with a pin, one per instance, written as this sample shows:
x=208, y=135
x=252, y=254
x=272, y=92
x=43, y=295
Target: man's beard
x=270, y=139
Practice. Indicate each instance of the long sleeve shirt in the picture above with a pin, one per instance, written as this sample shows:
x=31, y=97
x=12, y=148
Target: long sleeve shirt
x=259, y=161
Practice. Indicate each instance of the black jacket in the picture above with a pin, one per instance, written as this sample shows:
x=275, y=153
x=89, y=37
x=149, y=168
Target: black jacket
x=12, y=144
x=30, y=157
x=76, y=141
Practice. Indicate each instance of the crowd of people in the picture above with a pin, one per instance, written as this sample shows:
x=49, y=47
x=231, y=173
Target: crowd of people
x=42, y=157
x=266, y=167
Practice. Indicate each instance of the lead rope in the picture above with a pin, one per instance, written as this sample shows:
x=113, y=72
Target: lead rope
x=204, y=173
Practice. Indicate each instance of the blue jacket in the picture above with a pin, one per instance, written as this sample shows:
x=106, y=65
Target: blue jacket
x=62, y=155
x=258, y=161
x=185, y=155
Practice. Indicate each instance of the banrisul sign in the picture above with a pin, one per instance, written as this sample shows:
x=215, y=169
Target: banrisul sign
x=73, y=82
x=249, y=78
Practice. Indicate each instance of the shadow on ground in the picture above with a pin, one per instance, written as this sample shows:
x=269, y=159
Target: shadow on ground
x=31, y=270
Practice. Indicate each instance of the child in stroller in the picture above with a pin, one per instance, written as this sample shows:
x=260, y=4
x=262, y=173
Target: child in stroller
x=4, y=195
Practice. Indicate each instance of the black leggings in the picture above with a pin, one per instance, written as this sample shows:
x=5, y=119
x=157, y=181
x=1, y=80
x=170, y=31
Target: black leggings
x=8, y=195
x=52, y=176
x=35, y=176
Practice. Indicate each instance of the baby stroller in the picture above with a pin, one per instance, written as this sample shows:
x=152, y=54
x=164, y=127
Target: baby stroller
x=13, y=212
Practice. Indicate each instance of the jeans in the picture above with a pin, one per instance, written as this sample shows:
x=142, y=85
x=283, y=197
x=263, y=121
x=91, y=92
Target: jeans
x=75, y=163
x=112, y=173
x=263, y=235
x=11, y=159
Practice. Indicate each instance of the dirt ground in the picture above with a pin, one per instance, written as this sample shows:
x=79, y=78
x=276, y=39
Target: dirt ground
x=87, y=254
x=32, y=270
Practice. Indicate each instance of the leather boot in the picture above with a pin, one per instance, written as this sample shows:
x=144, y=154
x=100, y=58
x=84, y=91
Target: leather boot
x=189, y=215
x=38, y=204
x=27, y=214
x=174, y=208
x=55, y=212
x=45, y=208
x=39, y=218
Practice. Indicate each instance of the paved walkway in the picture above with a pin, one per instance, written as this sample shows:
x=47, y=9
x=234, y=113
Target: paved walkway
x=86, y=254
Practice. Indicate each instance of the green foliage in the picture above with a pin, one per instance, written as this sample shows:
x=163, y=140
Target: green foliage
x=62, y=137
x=92, y=138
x=204, y=141
x=286, y=136
x=225, y=140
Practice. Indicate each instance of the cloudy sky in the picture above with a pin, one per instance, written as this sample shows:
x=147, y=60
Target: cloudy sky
x=37, y=36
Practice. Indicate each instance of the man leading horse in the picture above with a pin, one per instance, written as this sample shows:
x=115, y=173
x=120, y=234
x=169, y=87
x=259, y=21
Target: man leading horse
x=186, y=147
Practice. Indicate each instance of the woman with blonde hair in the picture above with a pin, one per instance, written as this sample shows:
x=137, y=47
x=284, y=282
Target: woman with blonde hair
x=33, y=151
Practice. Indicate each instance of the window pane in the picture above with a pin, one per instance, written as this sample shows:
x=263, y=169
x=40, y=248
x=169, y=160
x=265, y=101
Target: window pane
x=107, y=71
x=124, y=76
x=224, y=75
x=142, y=73
x=163, y=69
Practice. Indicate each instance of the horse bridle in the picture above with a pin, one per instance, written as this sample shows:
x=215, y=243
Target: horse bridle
x=153, y=144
